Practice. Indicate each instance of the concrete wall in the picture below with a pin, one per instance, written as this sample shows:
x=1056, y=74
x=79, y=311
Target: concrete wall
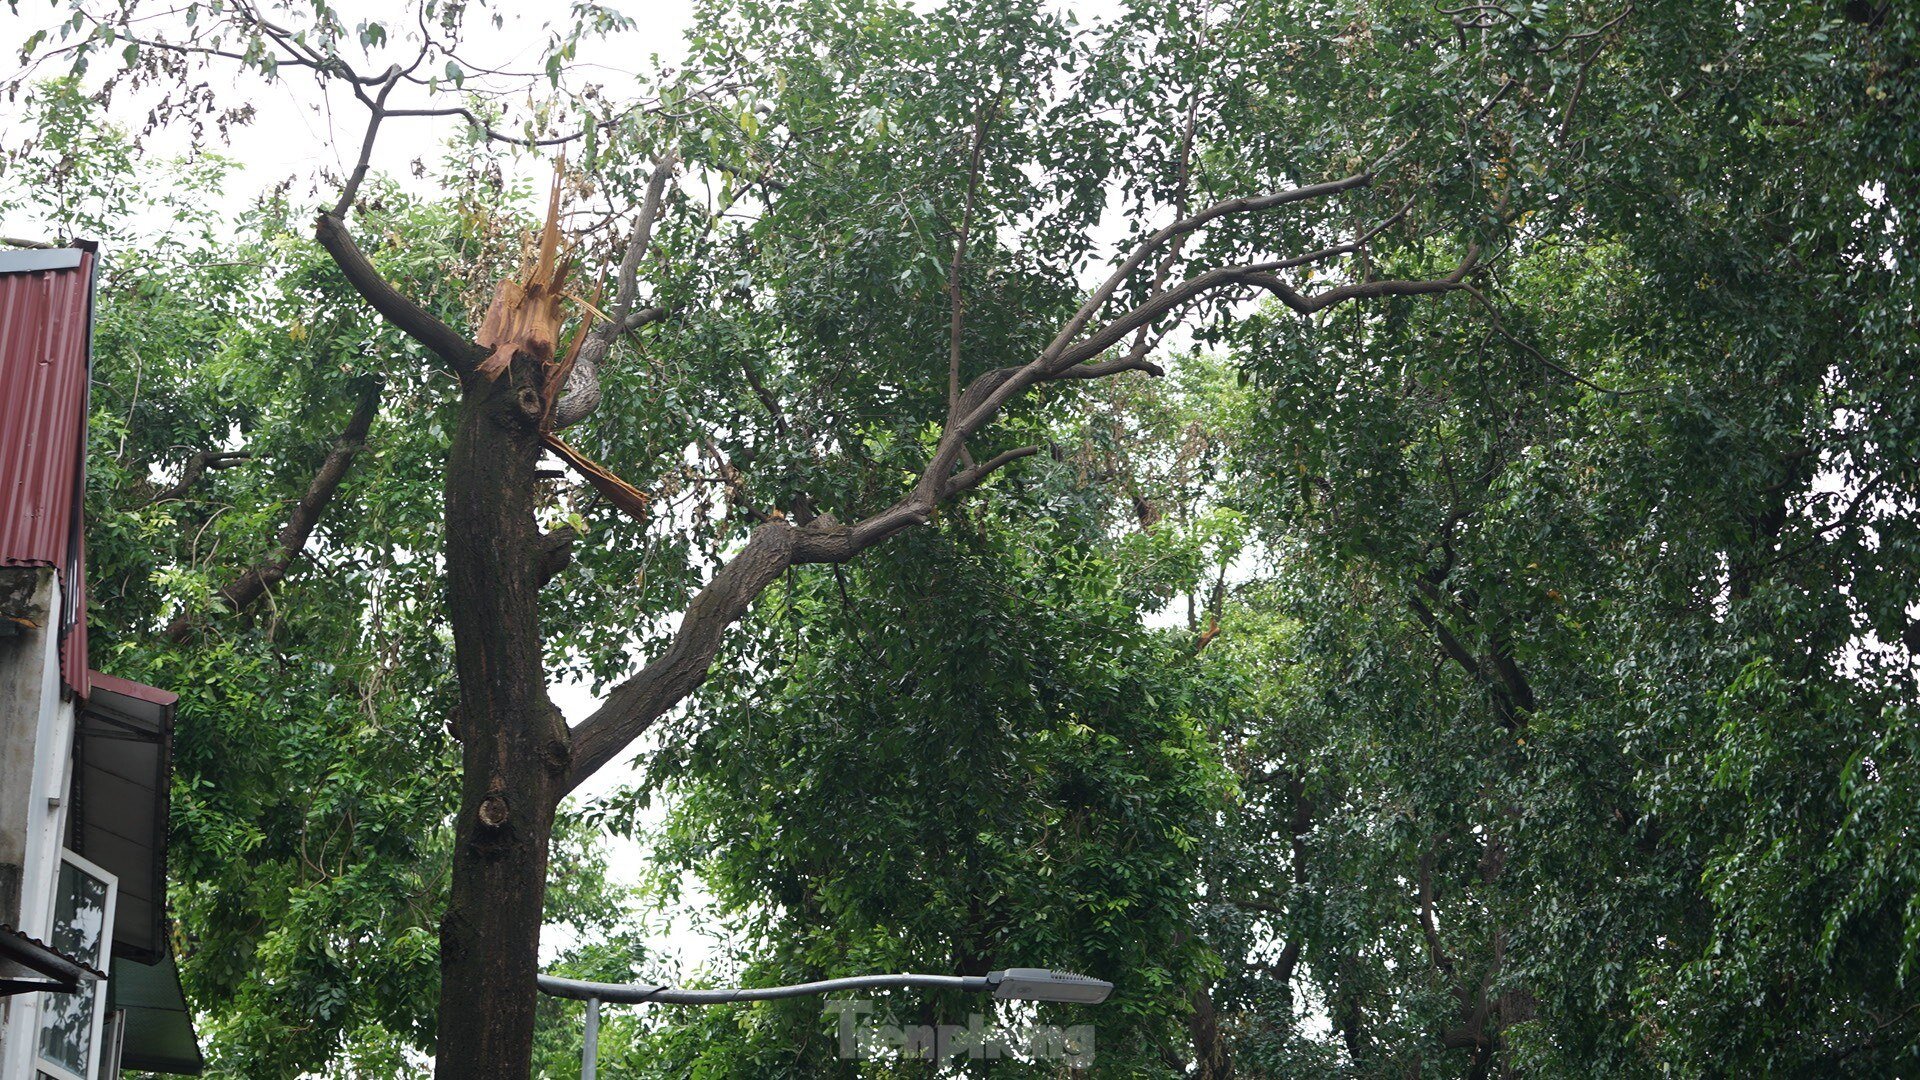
x=36, y=763
x=29, y=654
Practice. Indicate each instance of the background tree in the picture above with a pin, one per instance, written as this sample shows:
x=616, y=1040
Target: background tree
x=1592, y=664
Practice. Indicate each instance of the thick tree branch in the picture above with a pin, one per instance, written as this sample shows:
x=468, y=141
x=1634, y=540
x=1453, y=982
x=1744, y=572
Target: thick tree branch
x=198, y=465
x=580, y=380
x=1428, y=927
x=459, y=351
x=556, y=551
x=1363, y=290
x=1512, y=697
x=244, y=590
x=1146, y=248
x=777, y=545
x=770, y=550
x=1061, y=362
x=1104, y=368
x=682, y=666
x=969, y=479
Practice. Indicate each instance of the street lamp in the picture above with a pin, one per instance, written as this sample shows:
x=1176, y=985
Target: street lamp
x=1013, y=984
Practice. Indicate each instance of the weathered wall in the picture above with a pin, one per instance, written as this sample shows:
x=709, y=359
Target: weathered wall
x=28, y=652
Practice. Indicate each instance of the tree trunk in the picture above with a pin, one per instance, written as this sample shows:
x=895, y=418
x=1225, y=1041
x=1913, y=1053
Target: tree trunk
x=1212, y=1059
x=515, y=749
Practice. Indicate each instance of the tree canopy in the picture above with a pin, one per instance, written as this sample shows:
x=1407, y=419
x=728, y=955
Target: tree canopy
x=1385, y=530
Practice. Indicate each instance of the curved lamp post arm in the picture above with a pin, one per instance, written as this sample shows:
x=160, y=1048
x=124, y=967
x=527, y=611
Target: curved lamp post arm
x=1018, y=984
x=641, y=993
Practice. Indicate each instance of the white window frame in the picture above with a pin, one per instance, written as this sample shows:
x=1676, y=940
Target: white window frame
x=99, y=988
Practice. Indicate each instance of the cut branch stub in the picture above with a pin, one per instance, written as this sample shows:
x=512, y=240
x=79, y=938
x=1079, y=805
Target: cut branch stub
x=493, y=810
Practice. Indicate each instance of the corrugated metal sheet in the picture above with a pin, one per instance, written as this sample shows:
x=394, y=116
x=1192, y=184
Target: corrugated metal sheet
x=46, y=313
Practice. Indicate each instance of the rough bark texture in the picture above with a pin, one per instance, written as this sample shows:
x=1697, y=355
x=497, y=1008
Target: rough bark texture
x=1211, y=1058
x=515, y=747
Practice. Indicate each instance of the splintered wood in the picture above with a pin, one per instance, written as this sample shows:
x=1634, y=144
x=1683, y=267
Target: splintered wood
x=526, y=317
x=631, y=500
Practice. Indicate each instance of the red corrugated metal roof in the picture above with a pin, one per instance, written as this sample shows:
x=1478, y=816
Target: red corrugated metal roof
x=46, y=312
x=152, y=695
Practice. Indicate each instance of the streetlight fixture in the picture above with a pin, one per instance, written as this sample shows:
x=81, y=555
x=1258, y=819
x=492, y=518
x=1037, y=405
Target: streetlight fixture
x=1013, y=984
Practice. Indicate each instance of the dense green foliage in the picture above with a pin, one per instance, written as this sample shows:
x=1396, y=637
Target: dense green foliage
x=1651, y=774
x=1031, y=789
x=1519, y=680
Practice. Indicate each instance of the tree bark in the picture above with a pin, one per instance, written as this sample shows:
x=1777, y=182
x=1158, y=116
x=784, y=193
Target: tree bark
x=1211, y=1057
x=516, y=753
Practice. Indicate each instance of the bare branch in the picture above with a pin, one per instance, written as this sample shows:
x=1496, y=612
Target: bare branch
x=682, y=666
x=377, y=113
x=253, y=583
x=1586, y=66
x=1063, y=363
x=650, y=210
x=1146, y=248
x=1364, y=290
x=642, y=316
x=580, y=383
x=969, y=479
x=1104, y=368
x=778, y=545
x=197, y=465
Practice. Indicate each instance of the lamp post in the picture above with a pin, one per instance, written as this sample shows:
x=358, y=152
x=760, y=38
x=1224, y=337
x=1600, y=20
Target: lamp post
x=1013, y=984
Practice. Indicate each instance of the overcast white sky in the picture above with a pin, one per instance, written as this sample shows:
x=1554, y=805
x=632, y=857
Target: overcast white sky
x=297, y=131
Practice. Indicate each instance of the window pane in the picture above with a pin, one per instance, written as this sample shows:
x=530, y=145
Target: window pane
x=80, y=916
x=80, y=931
x=66, y=1028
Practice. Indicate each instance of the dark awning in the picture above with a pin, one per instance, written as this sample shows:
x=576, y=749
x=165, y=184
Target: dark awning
x=122, y=753
x=28, y=964
x=159, y=1031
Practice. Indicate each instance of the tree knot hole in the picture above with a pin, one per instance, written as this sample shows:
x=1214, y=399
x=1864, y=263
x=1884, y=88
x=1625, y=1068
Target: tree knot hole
x=493, y=810
x=531, y=404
